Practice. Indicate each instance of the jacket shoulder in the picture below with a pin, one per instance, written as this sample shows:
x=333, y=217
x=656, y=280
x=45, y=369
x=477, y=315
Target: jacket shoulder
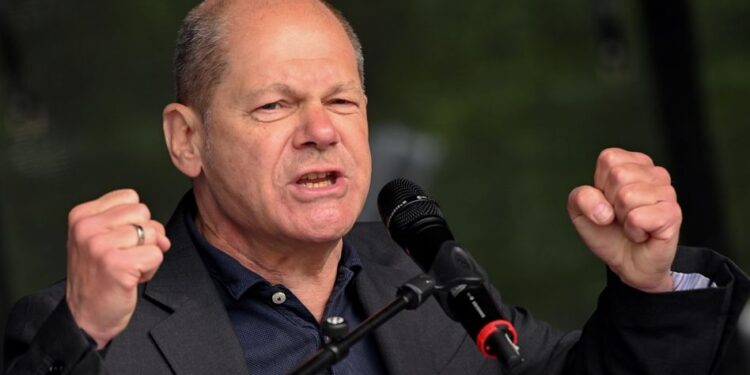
x=374, y=245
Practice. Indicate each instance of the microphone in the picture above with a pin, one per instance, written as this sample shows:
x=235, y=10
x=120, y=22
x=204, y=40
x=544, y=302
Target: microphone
x=416, y=223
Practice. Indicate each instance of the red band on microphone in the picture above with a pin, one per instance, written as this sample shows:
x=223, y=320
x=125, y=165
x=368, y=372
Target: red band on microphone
x=490, y=329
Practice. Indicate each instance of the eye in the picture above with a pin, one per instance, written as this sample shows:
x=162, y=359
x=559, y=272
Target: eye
x=272, y=111
x=270, y=106
x=344, y=105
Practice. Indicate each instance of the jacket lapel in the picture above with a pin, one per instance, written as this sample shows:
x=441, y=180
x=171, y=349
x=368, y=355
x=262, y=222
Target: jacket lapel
x=395, y=338
x=407, y=342
x=197, y=338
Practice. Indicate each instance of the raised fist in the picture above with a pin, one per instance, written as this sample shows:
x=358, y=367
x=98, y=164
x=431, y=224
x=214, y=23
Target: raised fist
x=113, y=245
x=630, y=218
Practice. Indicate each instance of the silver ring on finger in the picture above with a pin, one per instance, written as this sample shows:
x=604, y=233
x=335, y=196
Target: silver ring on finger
x=141, y=233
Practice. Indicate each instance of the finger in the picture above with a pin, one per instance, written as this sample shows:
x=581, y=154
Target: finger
x=158, y=227
x=148, y=263
x=123, y=238
x=137, y=265
x=125, y=214
x=613, y=157
x=593, y=218
x=589, y=202
x=636, y=195
x=114, y=217
x=164, y=243
x=161, y=238
x=103, y=203
x=660, y=221
x=627, y=174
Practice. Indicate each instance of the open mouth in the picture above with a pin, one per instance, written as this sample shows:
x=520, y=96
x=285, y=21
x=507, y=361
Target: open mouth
x=317, y=180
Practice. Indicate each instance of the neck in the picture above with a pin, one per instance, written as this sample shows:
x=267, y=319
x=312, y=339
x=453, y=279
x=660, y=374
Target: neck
x=308, y=270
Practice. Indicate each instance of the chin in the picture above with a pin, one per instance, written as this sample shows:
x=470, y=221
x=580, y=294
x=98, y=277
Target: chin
x=327, y=226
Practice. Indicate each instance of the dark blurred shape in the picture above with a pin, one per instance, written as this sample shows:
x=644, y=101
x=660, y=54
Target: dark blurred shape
x=680, y=104
x=741, y=352
x=25, y=143
x=398, y=150
x=8, y=64
x=611, y=42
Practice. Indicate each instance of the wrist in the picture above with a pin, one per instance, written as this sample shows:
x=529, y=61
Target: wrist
x=663, y=285
x=100, y=338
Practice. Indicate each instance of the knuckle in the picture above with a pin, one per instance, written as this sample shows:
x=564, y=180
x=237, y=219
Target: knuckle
x=672, y=193
x=675, y=211
x=159, y=227
x=128, y=195
x=662, y=174
x=626, y=195
x=618, y=174
x=75, y=213
x=633, y=218
x=643, y=158
x=157, y=255
x=82, y=229
x=608, y=156
x=151, y=260
x=143, y=211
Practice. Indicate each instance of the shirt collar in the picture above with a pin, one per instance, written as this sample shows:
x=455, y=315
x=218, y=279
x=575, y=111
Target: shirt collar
x=237, y=279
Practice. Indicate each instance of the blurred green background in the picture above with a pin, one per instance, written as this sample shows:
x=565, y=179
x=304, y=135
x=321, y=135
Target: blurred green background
x=517, y=96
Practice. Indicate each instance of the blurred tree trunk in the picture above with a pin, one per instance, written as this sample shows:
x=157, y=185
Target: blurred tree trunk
x=9, y=65
x=681, y=112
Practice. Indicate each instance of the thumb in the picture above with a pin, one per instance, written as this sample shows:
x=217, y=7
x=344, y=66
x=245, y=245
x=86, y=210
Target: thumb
x=590, y=203
x=593, y=217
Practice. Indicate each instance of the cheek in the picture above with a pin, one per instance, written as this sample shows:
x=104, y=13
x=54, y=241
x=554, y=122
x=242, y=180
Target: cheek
x=363, y=159
x=364, y=163
x=234, y=159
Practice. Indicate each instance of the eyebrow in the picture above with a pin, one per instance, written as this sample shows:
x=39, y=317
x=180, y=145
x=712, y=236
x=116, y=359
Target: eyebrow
x=342, y=87
x=273, y=88
x=287, y=90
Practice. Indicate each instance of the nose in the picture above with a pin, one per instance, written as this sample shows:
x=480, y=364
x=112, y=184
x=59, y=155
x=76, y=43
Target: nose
x=316, y=129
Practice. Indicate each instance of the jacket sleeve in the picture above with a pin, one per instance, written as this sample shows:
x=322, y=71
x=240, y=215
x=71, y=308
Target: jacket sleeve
x=685, y=332
x=42, y=338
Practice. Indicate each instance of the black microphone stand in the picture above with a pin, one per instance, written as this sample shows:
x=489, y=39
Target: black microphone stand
x=409, y=296
x=464, y=296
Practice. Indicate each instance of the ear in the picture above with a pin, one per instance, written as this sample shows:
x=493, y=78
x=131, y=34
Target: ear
x=183, y=133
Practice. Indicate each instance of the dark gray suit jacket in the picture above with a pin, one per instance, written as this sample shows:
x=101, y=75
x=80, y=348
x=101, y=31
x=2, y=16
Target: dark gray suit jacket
x=180, y=325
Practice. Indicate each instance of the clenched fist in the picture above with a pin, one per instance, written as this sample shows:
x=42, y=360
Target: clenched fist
x=113, y=245
x=630, y=218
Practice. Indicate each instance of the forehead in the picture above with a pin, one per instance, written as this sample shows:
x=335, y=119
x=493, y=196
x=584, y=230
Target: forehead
x=263, y=36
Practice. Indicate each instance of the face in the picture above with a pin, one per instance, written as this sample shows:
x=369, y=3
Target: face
x=285, y=157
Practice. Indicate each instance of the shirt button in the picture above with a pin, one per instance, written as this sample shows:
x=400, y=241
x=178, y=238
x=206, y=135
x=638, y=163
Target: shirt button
x=278, y=298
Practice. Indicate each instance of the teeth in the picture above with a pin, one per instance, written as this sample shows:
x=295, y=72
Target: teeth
x=316, y=185
x=315, y=176
x=316, y=180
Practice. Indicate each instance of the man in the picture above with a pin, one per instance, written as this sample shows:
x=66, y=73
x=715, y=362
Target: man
x=271, y=127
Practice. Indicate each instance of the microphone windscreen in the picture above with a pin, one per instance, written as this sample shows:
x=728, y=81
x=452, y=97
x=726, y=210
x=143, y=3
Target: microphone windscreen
x=402, y=204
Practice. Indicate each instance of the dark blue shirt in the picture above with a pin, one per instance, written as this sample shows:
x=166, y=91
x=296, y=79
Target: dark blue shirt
x=275, y=330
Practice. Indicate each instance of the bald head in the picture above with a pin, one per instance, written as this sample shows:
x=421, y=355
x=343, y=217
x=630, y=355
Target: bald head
x=203, y=41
